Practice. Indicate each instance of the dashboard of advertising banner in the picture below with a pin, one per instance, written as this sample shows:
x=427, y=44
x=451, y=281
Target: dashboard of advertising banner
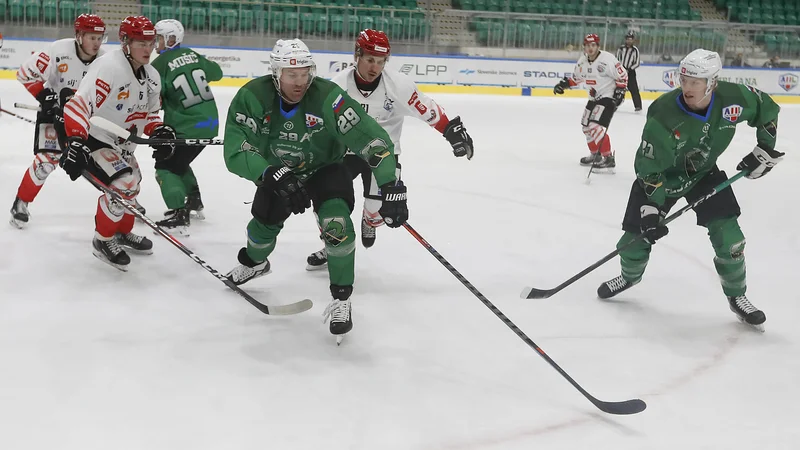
x=453, y=71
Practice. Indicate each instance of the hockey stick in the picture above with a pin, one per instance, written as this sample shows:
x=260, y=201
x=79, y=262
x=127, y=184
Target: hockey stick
x=530, y=292
x=18, y=117
x=622, y=408
x=124, y=134
x=279, y=310
x=28, y=107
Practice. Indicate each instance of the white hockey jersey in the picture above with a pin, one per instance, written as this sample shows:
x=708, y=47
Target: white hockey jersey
x=112, y=91
x=601, y=76
x=395, y=97
x=55, y=67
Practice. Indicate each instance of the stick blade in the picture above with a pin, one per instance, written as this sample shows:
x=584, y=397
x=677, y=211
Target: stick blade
x=290, y=309
x=530, y=292
x=110, y=127
x=625, y=408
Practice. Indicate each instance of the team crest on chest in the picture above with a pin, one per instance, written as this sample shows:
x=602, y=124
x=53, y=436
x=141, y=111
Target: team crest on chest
x=312, y=120
x=731, y=113
x=388, y=104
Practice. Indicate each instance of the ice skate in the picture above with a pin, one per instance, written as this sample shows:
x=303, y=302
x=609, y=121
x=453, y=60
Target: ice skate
x=613, y=287
x=139, y=207
x=338, y=311
x=367, y=233
x=110, y=252
x=247, y=269
x=317, y=260
x=746, y=312
x=592, y=159
x=195, y=204
x=19, y=214
x=176, y=221
x=607, y=164
x=134, y=243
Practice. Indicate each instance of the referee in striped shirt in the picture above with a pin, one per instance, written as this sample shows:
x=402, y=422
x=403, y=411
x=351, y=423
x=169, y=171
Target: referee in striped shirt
x=628, y=55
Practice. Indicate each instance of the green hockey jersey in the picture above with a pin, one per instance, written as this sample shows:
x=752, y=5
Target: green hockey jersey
x=314, y=133
x=186, y=98
x=679, y=147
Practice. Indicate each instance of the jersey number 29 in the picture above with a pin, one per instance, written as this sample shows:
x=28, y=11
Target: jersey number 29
x=192, y=97
x=347, y=120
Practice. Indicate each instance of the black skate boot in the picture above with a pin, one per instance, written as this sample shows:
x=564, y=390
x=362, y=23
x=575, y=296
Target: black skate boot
x=317, y=260
x=367, y=233
x=110, y=252
x=139, y=207
x=176, y=221
x=135, y=243
x=592, y=159
x=613, y=287
x=247, y=269
x=338, y=311
x=19, y=214
x=747, y=313
x=195, y=204
x=607, y=164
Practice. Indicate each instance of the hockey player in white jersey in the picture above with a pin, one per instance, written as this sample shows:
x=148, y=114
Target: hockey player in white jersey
x=388, y=97
x=123, y=88
x=51, y=76
x=607, y=81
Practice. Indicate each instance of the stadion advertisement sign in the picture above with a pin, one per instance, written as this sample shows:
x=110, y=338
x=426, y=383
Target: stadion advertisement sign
x=238, y=63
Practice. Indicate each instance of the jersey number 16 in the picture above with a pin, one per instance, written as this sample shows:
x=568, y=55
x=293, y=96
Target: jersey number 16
x=191, y=97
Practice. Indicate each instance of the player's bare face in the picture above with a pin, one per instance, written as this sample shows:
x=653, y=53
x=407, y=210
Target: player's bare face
x=370, y=67
x=141, y=51
x=91, y=42
x=294, y=82
x=591, y=49
x=694, y=92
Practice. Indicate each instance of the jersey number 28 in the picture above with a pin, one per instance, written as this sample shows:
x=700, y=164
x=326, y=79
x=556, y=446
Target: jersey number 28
x=201, y=92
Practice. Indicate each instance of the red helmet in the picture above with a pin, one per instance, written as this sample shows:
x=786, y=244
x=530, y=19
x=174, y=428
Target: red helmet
x=373, y=42
x=136, y=28
x=591, y=38
x=89, y=23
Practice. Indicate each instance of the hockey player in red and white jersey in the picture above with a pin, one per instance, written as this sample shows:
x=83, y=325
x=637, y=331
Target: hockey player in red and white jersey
x=51, y=76
x=607, y=81
x=388, y=97
x=123, y=88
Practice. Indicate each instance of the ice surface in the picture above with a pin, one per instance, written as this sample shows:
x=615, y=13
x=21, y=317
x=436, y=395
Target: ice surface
x=165, y=357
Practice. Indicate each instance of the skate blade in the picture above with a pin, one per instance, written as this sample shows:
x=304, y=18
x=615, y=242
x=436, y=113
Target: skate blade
x=102, y=257
x=758, y=327
x=339, y=339
x=311, y=268
x=18, y=224
x=197, y=215
x=136, y=251
x=604, y=170
x=228, y=276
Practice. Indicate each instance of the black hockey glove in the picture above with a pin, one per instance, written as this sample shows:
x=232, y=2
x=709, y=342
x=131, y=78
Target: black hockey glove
x=48, y=102
x=651, y=223
x=759, y=162
x=283, y=182
x=163, y=151
x=459, y=139
x=64, y=96
x=75, y=158
x=394, y=209
x=563, y=84
x=619, y=96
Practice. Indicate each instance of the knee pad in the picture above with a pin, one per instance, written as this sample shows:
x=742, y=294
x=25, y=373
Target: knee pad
x=337, y=227
x=727, y=239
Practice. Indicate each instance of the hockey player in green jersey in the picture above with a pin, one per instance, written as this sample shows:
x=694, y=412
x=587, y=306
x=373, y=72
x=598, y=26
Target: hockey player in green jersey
x=189, y=112
x=686, y=131
x=288, y=133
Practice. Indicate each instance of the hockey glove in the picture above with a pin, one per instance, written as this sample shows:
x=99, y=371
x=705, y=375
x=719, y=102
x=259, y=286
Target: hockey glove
x=619, y=96
x=651, y=223
x=48, y=101
x=163, y=151
x=64, y=96
x=75, y=158
x=394, y=209
x=563, y=84
x=459, y=139
x=759, y=162
x=283, y=182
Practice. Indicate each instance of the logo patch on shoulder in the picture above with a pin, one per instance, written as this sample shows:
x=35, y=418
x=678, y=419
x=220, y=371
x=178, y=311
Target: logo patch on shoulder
x=337, y=104
x=731, y=113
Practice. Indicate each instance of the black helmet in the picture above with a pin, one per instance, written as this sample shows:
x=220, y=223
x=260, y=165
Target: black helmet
x=630, y=34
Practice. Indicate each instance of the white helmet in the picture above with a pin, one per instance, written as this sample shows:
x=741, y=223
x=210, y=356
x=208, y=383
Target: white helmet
x=702, y=64
x=290, y=53
x=170, y=28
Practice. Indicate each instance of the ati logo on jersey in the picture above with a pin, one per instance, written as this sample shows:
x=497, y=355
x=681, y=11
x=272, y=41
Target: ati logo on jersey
x=291, y=159
x=788, y=81
x=312, y=120
x=731, y=113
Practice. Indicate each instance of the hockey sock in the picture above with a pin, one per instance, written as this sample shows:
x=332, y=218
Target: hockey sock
x=126, y=223
x=340, y=241
x=189, y=180
x=605, y=146
x=634, y=258
x=43, y=165
x=728, y=241
x=172, y=187
x=108, y=217
x=261, y=239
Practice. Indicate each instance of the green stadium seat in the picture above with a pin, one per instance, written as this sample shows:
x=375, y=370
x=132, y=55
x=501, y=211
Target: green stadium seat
x=382, y=24
x=351, y=24
x=275, y=21
x=82, y=7
x=766, y=17
x=16, y=9
x=165, y=12
x=480, y=5
x=395, y=28
x=366, y=22
x=246, y=21
x=230, y=19
x=320, y=23
x=3, y=8
x=148, y=10
x=307, y=22
x=198, y=18
x=49, y=10
x=215, y=16
x=494, y=5
x=184, y=14
x=33, y=10
x=683, y=14
x=337, y=24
